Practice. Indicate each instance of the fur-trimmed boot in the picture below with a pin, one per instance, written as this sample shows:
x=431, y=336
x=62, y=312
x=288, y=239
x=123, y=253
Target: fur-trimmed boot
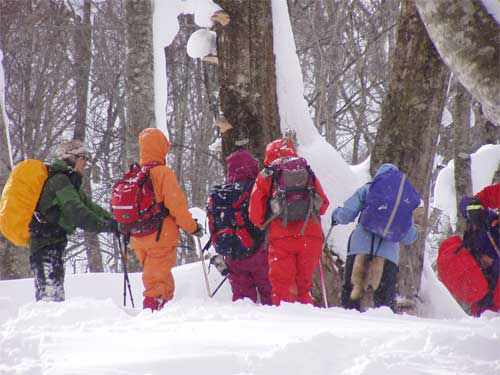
x=374, y=274
x=358, y=276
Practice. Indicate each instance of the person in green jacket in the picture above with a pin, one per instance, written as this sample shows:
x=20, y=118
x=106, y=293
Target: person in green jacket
x=62, y=207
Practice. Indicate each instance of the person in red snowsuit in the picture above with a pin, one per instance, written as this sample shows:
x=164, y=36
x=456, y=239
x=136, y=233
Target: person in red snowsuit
x=293, y=252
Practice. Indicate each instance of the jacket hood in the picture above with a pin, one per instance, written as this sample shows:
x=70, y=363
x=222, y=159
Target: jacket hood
x=386, y=168
x=241, y=167
x=153, y=146
x=278, y=149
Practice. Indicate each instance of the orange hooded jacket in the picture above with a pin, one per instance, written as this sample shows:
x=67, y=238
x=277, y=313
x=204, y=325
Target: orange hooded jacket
x=154, y=146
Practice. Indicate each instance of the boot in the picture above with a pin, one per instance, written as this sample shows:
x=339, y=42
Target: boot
x=153, y=303
x=358, y=276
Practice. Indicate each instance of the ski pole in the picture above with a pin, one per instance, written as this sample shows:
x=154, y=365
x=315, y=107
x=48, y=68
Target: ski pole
x=322, y=278
x=205, y=273
x=126, y=280
x=218, y=286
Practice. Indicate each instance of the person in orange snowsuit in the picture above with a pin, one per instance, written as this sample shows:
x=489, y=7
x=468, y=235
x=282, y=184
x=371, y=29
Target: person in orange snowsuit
x=158, y=256
x=293, y=249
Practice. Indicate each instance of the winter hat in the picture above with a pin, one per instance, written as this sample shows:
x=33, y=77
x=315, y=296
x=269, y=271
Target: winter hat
x=278, y=149
x=70, y=151
x=241, y=167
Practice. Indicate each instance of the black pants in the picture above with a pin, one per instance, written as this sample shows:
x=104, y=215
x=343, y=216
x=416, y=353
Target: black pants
x=47, y=265
x=385, y=295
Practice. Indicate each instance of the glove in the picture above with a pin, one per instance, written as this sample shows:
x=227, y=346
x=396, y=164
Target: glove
x=111, y=226
x=334, y=222
x=200, y=231
x=476, y=214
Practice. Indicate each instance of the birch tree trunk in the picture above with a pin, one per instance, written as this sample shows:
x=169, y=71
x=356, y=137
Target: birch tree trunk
x=409, y=127
x=467, y=38
x=139, y=73
x=247, y=75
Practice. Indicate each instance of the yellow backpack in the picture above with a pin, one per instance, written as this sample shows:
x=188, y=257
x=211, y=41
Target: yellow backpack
x=19, y=199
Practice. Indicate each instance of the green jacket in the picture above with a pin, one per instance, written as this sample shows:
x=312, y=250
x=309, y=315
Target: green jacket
x=63, y=207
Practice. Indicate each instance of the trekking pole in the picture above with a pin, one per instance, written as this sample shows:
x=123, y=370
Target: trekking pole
x=321, y=275
x=126, y=280
x=218, y=286
x=322, y=278
x=205, y=273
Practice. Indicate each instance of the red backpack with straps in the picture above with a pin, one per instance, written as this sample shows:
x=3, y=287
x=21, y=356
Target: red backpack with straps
x=134, y=203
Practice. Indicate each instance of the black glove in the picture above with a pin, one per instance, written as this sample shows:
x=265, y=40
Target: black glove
x=111, y=226
x=200, y=231
x=476, y=214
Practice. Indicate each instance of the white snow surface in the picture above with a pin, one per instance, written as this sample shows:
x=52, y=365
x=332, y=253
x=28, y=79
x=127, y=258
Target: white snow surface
x=484, y=164
x=90, y=333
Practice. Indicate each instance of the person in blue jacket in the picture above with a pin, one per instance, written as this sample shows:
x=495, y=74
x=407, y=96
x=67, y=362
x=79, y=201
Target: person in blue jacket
x=362, y=242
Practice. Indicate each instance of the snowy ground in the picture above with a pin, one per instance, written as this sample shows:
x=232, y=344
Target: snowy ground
x=91, y=334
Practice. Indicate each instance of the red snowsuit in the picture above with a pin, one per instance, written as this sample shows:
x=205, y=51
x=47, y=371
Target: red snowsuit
x=292, y=257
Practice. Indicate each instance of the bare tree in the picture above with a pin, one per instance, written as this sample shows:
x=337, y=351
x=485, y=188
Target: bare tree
x=247, y=75
x=467, y=39
x=461, y=108
x=140, y=73
x=409, y=126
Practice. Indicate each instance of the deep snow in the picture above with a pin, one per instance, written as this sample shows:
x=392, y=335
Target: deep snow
x=90, y=333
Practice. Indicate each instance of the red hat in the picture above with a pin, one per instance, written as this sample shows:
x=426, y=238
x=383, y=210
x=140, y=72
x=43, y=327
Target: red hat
x=277, y=149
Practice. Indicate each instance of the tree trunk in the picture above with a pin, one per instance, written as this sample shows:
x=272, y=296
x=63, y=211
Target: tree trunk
x=461, y=107
x=466, y=36
x=13, y=260
x=83, y=59
x=139, y=73
x=409, y=127
x=247, y=75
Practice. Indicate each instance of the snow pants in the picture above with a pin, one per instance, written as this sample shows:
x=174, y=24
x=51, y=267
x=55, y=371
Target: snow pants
x=47, y=264
x=157, y=276
x=292, y=261
x=249, y=276
x=385, y=295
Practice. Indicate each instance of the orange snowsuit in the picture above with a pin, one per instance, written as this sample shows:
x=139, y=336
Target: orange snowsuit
x=158, y=257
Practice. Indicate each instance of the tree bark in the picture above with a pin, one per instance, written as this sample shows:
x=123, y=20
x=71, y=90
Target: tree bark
x=461, y=108
x=139, y=73
x=467, y=38
x=247, y=75
x=83, y=59
x=409, y=127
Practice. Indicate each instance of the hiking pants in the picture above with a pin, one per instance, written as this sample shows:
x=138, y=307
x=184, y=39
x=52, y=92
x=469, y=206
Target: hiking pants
x=292, y=261
x=249, y=276
x=385, y=295
x=47, y=264
x=157, y=266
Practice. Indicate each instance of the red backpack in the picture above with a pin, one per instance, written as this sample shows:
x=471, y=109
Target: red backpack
x=134, y=204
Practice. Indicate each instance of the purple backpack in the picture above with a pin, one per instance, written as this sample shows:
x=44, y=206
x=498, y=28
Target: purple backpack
x=389, y=205
x=293, y=195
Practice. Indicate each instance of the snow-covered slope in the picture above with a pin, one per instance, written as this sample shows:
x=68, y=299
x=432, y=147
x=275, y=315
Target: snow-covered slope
x=91, y=334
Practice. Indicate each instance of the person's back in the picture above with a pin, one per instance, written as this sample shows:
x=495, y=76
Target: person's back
x=377, y=258
x=248, y=273
x=157, y=252
x=294, y=245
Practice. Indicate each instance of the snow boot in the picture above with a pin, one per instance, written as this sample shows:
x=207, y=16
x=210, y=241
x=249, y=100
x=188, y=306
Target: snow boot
x=153, y=303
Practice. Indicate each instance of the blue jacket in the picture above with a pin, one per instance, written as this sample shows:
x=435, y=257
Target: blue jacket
x=361, y=239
